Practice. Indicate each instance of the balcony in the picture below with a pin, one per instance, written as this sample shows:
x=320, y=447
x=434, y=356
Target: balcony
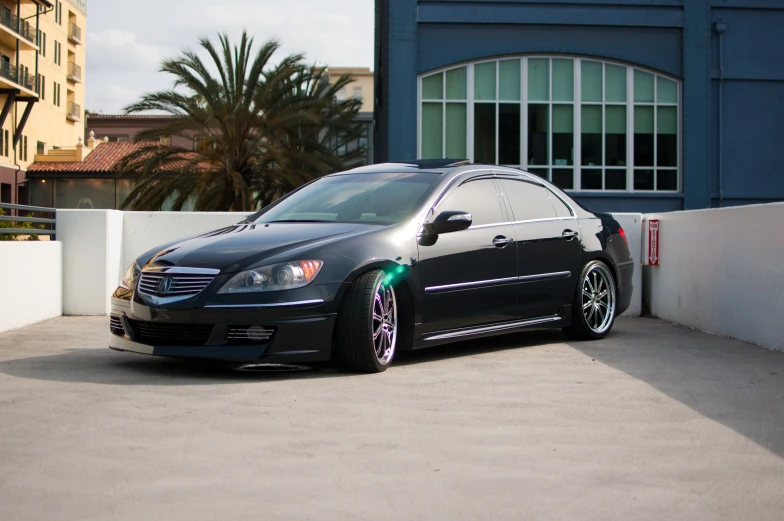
x=74, y=33
x=74, y=112
x=74, y=72
x=11, y=30
x=16, y=76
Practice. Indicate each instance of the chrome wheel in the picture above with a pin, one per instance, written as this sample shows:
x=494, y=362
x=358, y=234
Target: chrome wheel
x=384, y=322
x=598, y=299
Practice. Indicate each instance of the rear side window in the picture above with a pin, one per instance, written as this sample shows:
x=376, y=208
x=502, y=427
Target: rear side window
x=479, y=198
x=529, y=201
x=561, y=210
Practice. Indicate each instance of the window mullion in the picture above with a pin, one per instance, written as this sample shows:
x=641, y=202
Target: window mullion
x=420, y=107
x=604, y=127
x=470, y=113
x=524, y=112
x=655, y=135
x=629, y=129
x=550, y=116
x=497, y=110
x=578, y=125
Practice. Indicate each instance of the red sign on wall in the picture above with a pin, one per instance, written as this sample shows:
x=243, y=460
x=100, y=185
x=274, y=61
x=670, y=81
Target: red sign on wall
x=652, y=243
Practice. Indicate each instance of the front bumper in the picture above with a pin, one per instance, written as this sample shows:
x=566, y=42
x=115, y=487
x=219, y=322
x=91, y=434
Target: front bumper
x=299, y=334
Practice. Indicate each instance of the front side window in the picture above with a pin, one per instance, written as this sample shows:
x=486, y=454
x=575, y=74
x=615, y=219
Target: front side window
x=383, y=198
x=582, y=123
x=479, y=198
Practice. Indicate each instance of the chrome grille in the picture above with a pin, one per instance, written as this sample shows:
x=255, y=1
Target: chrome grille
x=116, y=325
x=249, y=333
x=182, y=284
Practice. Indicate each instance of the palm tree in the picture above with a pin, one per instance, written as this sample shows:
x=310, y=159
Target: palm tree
x=266, y=129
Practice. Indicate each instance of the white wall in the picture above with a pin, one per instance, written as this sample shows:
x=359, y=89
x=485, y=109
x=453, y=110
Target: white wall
x=722, y=271
x=92, y=242
x=143, y=231
x=98, y=245
x=30, y=282
x=632, y=225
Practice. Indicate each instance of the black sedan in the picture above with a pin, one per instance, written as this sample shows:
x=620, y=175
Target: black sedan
x=365, y=263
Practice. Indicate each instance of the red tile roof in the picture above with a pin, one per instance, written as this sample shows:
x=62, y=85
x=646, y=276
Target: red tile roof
x=103, y=159
x=93, y=115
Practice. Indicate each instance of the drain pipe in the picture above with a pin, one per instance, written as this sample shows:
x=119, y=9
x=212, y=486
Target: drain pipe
x=721, y=27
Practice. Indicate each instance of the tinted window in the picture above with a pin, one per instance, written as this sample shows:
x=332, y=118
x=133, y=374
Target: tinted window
x=529, y=201
x=561, y=210
x=383, y=198
x=479, y=198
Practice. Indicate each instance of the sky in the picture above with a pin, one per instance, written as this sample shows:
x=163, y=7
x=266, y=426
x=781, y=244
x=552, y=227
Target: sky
x=126, y=41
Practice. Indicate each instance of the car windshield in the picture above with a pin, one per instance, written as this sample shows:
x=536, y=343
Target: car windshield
x=377, y=198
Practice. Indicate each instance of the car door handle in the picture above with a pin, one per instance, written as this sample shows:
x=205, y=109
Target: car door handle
x=569, y=234
x=501, y=241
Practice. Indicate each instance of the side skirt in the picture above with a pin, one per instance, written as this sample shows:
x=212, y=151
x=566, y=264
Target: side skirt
x=562, y=319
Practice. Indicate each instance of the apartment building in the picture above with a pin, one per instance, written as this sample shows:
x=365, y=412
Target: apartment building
x=42, y=85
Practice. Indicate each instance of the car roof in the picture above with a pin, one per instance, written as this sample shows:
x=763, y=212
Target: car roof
x=436, y=166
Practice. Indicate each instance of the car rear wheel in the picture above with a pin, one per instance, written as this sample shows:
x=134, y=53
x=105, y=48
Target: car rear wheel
x=367, y=324
x=593, y=305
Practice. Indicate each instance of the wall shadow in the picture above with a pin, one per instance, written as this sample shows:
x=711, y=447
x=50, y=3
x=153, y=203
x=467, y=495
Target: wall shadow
x=736, y=384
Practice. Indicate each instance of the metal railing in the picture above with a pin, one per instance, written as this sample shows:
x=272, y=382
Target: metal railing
x=74, y=71
x=30, y=217
x=10, y=20
x=17, y=75
x=74, y=111
x=74, y=32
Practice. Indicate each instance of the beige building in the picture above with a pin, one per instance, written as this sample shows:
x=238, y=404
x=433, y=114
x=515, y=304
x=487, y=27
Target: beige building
x=42, y=58
x=361, y=88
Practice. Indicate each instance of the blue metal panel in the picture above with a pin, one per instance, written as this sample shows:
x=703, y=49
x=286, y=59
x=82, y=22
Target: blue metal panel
x=621, y=16
x=630, y=203
x=442, y=45
x=696, y=104
x=753, y=46
x=753, y=138
x=576, y=2
x=401, y=94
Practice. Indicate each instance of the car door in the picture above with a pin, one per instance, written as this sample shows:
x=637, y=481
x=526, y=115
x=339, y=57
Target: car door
x=469, y=277
x=548, y=247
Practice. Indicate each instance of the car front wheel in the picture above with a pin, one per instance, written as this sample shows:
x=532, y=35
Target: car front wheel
x=593, y=305
x=367, y=324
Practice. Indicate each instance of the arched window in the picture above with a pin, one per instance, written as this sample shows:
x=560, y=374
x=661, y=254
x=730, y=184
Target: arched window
x=582, y=123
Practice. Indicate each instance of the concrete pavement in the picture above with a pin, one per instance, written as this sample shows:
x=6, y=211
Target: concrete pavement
x=654, y=422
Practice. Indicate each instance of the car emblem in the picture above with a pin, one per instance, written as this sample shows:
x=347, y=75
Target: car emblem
x=165, y=285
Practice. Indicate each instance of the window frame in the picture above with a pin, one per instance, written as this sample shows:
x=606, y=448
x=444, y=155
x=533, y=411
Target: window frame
x=576, y=104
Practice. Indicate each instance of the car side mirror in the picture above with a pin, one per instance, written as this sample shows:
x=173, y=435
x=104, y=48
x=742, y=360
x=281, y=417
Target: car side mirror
x=448, y=222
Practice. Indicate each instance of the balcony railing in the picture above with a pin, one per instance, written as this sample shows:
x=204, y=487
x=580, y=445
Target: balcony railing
x=74, y=111
x=17, y=75
x=10, y=20
x=74, y=33
x=74, y=72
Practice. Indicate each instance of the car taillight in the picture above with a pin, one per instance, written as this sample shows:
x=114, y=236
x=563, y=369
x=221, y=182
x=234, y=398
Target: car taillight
x=622, y=233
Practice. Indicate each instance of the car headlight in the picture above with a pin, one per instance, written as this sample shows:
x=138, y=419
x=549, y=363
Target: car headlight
x=275, y=277
x=131, y=276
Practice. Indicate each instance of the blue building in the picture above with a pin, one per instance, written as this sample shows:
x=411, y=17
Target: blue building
x=633, y=105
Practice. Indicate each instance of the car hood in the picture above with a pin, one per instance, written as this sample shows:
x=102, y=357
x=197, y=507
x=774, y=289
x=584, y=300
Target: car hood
x=241, y=246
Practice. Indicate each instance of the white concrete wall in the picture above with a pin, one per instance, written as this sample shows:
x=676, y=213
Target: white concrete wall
x=722, y=271
x=98, y=245
x=30, y=282
x=143, y=231
x=632, y=225
x=92, y=242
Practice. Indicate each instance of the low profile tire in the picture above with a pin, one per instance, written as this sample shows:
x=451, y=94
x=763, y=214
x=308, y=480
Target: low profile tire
x=593, y=305
x=367, y=325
